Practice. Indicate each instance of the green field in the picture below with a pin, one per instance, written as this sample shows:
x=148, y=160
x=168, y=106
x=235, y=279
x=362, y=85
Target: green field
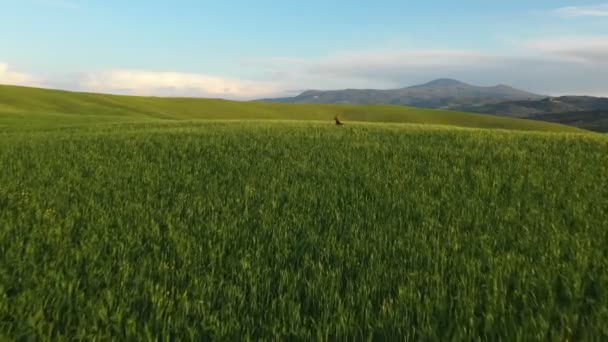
x=121, y=221
x=35, y=109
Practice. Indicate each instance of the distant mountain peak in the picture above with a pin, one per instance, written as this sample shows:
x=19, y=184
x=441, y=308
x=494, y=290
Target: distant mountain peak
x=444, y=82
x=503, y=86
x=310, y=92
x=440, y=93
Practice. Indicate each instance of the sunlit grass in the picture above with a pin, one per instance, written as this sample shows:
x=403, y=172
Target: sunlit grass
x=280, y=230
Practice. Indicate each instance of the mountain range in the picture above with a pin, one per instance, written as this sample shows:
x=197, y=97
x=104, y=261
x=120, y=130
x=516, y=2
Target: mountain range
x=441, y=93
x=549, y=105
x=582, y=111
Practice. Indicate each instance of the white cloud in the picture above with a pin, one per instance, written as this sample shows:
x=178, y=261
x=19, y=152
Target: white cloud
x=552, y=66
x=146, y=83
x=371, y=69
x=387, y=64
x=8, y=76
x=584, y=11
x=591, y=50
x=135, y=82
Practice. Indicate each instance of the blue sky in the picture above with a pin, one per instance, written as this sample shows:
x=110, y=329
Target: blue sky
x=248, y=49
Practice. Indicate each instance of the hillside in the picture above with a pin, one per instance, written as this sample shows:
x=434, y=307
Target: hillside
x=32, y=108
x=441, y=93
x=586, y=112
x=171, y=227
x=592, y=120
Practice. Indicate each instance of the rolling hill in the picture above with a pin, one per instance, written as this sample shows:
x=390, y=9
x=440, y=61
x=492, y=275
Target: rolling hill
x=586, y=112
x=441, y=93
x=131, y=218
x=33, y=108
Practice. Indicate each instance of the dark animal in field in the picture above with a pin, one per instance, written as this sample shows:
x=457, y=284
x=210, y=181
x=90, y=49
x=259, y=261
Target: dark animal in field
x=338, y=122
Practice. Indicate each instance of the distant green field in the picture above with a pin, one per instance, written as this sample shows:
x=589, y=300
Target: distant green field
x=31, y=108
x=127, y=218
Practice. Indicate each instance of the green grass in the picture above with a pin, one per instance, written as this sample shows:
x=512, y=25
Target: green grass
x=34, y=109
x=131, y=218
x=277, y=230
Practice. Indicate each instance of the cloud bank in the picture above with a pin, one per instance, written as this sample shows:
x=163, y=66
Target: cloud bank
x=8, y=76
x=134, y=82
x=554, y=66
x=584, y=11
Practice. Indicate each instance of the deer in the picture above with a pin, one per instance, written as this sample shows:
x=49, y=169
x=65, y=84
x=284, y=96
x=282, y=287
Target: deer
x=338, y=122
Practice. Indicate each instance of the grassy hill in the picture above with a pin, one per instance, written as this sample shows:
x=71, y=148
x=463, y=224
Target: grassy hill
x=585, y=112
x=31, y=108
x=161, y=226
x=591, y=120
